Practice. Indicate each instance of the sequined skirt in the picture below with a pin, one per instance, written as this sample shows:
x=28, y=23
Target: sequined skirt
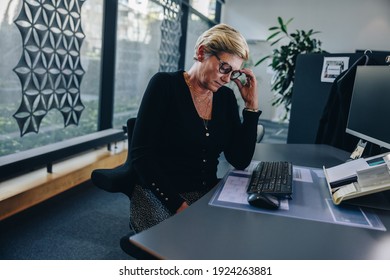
x=146, y=210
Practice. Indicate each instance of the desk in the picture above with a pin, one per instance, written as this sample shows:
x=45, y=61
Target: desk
x=206, y=232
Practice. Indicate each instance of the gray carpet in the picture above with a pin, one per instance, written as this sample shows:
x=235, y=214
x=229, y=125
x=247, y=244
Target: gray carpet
x=84, y=223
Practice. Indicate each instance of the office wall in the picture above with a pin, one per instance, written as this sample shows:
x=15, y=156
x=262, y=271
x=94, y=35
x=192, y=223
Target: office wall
x=345, y=26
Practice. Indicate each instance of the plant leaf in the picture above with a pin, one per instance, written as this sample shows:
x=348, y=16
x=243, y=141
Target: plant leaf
x=273, y=35
x=261, y=60
x=274, y=42
x=284, y=28
x=289, y=21
x=280, y=20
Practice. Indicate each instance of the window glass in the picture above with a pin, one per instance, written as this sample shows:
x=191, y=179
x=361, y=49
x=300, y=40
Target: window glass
x=196, y=26
x=206, y=7
x=137, y=55
x=51, y=127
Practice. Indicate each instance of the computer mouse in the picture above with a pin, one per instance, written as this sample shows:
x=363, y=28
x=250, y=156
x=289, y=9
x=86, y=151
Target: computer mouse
x=266, y=201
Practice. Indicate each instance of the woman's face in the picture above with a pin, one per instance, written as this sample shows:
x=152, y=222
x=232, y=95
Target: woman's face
x=210, y=76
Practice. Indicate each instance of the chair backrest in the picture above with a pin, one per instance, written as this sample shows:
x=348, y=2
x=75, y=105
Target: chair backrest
x=260, y=133
x=122, y=178
x=130, y=128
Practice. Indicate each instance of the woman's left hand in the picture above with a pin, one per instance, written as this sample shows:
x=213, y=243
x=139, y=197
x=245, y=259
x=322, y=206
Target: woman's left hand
x=248, y=89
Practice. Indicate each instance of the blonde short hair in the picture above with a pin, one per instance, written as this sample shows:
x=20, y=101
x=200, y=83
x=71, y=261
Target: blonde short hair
x=223, y=38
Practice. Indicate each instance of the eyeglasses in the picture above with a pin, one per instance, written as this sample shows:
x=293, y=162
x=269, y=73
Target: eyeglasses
x=226, y=68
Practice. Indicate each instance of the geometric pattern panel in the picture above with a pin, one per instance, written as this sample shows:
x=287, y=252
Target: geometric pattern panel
x=170, y=36
x=49, y=68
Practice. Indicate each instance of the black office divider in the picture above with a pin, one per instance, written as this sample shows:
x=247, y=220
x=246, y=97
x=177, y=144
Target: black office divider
x=310, y=94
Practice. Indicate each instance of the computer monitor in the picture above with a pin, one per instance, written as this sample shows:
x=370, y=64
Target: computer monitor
x=369, y=113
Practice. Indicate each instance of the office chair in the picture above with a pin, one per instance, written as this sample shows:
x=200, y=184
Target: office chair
x=120, y=179
x=260, y=133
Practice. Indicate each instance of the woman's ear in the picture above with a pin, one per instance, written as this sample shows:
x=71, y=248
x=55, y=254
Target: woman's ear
x=200, y=53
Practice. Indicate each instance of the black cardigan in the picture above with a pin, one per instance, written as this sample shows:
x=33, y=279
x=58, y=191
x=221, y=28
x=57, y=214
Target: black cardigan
x=170, y=150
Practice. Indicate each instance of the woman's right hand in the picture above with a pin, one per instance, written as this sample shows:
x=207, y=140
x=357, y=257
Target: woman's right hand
x=248, y=90
x=183, y=206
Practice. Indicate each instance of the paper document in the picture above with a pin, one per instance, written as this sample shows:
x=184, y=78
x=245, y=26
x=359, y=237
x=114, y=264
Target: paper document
x=235, y=190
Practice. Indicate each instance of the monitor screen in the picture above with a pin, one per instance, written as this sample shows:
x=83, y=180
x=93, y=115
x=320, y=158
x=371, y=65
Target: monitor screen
x=369, y=113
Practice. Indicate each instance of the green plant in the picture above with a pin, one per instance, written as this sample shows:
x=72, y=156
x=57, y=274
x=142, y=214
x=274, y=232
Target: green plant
x=284, y=60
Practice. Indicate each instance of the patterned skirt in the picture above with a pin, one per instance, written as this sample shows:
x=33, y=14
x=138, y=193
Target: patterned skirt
x=146, y=210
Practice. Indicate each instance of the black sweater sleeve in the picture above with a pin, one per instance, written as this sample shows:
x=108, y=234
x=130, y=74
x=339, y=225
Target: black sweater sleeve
x=242, y=145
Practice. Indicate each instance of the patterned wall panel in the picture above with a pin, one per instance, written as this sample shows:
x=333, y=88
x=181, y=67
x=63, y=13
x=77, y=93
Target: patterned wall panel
x=170, y=35
x=49, y=69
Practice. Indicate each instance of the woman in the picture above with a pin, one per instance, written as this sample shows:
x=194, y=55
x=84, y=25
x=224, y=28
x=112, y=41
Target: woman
x=186, y=119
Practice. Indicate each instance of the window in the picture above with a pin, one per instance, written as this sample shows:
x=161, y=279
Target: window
x=205, y=7
x=46, y=125
x=196, y=26
x=137, y=55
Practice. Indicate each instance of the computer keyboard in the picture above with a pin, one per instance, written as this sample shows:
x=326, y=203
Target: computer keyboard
x=272, y=177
